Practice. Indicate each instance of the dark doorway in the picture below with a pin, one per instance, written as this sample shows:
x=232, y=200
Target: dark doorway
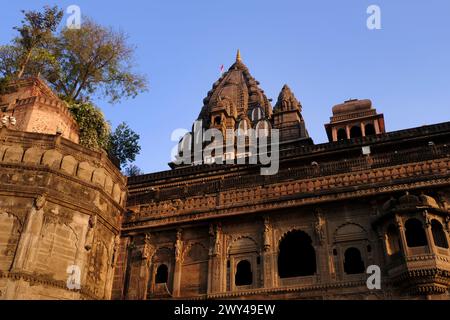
x=161, y=274
x=415, y=234
x=353, y=263
x=369, y=129
x=341, y=134
x=297, y=256
x=244, y=275
x=439, y=237
x=355, y=132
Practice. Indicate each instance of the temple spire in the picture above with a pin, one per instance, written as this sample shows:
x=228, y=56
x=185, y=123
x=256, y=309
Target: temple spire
x=238, y=56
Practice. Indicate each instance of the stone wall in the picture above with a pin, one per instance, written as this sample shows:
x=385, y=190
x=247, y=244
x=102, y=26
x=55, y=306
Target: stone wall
x=60, y=206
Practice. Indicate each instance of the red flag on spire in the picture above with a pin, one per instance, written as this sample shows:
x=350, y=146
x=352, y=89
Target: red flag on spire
x=221, y=69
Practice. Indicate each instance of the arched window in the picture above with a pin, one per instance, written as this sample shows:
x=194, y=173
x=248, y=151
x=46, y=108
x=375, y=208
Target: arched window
x=353, y=263
x=341, y=134
x=355, y=132
x=242, y=127
x=257, y=114
x=217, y=120
x=415, y=234
x=244, y=275
x=296, y=256
x=393, y=240
x=161, y=274
x=439, y=237
x=369, y=129
x=262, y=129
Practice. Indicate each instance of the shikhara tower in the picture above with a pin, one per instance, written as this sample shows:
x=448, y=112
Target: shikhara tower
x=237, y=103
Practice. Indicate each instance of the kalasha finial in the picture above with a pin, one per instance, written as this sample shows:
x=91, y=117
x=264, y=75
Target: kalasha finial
x=238, y=56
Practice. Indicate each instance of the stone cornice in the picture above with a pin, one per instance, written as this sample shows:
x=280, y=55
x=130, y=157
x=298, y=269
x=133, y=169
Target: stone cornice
x=48, y=170
x=284, y=202
x=47, y=281
x=351, y=167
x=318, y=149
x=67, y=147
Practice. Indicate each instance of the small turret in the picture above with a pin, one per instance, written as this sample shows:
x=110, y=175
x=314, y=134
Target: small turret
x=287, y=116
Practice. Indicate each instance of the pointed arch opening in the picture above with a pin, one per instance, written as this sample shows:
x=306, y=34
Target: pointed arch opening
x=257, y=114
x=262, y=129
x=297, y=256
x=355, y=132
x=162, y=274
x=244, y=274
x=341, y=134
x=353, y=262
x=369, y=129
x=415, y=234
x=439, y=237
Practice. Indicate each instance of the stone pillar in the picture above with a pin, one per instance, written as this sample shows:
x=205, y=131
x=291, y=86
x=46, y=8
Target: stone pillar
x=363, y=129
x=139, y=258
x=429, y=233
x=334, y=134
x=376, y=126
x=268, y=255
x=114, y=248
x=215, y=279
x=401, y=231
x=178, y=264
x=447, y=228
x=147, y=254
x=30, y=235
x=323, y=267
x=347, y=130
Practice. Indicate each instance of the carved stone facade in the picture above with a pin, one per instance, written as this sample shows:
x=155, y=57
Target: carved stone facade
x=225, y=231
x=310, y=231
x=60, y=206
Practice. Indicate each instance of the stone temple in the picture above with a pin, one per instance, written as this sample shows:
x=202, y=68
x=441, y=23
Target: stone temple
x=368, y=202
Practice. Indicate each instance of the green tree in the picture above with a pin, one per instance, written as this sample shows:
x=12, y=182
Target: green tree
x=94, y=129
x=94, y=60
x=124, y=144
x=35, y=32
x=77, y=63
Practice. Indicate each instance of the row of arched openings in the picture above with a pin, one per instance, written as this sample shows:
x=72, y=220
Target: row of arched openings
x=297, y=258
x=356, y=132
x=415, y=235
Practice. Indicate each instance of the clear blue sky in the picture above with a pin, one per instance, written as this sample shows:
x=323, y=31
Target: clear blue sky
x=321, y=49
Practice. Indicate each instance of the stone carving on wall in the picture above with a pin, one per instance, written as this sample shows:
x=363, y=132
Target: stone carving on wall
x=40, y=201
x=426, y=218
x=267, y=234
x=178, y=247
x=90, y=233
x=148, y=249
x=116, y=247
x=319, y=226
x=215, y=232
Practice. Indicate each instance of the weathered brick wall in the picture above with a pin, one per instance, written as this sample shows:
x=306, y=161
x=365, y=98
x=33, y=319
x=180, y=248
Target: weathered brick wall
x=37, y=109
